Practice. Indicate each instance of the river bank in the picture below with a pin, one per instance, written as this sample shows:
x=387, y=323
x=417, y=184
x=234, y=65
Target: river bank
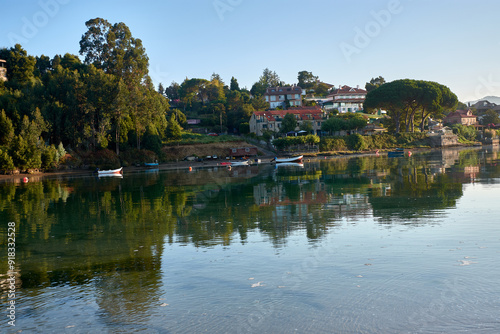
x=193, y=165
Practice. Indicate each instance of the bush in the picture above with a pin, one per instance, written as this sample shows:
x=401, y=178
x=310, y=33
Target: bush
x=332, y=144
x=465, y=133
x=49, y=157
x=356, y=142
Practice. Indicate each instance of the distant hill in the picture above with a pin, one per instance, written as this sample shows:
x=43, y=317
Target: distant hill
x=492, y=99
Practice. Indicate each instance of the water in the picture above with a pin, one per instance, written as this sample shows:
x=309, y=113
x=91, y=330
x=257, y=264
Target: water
x=359, y=245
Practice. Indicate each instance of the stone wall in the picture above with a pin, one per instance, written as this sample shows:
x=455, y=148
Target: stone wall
x=444, y=140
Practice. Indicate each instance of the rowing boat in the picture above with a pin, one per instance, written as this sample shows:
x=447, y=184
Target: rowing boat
x=297, y=159
x=110, y=172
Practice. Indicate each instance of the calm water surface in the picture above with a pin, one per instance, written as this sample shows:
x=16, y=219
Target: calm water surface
x=359, y=245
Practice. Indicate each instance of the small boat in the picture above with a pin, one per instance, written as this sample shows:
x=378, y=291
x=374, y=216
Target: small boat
x=150, y=164
x=110, y=172
x=399, y=152
x=239, y=163
x=292, y=159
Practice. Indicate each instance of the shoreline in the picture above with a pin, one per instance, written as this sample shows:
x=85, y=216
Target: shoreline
x=178, y=165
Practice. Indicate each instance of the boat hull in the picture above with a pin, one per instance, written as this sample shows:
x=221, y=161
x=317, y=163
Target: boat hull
x=111, y=172
x=288, y=160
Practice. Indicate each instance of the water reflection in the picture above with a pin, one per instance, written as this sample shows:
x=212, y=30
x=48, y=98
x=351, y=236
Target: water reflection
x=73, y=230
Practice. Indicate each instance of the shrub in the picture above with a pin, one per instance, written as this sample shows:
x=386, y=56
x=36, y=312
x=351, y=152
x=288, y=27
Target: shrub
x=49, y=157
x=356, y=142
x=332, y=144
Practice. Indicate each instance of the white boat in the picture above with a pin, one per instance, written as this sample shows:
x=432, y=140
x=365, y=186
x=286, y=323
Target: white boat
x=292, y=159
x=239, y=163
x=110, y=172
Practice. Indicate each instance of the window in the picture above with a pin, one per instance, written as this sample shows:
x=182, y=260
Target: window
x=297, y=96
x=289, y=96
x=273, y=98
x=282, y=97
x=247, y=149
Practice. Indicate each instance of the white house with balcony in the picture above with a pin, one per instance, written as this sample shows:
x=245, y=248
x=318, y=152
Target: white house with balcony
x=345, y=99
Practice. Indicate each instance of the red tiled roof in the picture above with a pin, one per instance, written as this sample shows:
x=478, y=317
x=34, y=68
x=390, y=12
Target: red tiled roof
x=303, y=112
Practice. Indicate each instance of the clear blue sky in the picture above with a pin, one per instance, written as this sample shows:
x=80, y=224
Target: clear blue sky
x=453, y=42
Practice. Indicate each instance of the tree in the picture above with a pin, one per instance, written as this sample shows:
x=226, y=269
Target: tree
x=307, y=80
x=234, y=84
x=374, y=83
x=174, y=130
x=269, y=78
x=172, y=91
x=490, y=117
x=289, y=123
x=112, y=48
x=407, y=99
x=21, y=66
x=306, y=126
x=6, y=129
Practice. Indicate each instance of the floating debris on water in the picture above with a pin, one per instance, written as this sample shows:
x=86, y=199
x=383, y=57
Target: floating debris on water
x=257, y=284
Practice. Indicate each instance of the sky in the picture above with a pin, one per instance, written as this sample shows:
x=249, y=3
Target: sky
x=453, y=42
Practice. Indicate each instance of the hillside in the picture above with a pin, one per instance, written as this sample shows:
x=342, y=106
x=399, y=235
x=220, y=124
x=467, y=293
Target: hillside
x=492, y=99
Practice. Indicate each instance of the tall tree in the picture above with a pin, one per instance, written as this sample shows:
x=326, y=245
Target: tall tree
x=112, y=48
x=374, y=83
x=21, y=66
x=307, y=80
x=234, y=84
x=289, y=123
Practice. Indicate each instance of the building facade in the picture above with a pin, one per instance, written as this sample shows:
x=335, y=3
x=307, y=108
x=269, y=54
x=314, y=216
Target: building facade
x=284, y=97
x=270, y=120
x=464, y=117
x=345, y=99
x=3, y=70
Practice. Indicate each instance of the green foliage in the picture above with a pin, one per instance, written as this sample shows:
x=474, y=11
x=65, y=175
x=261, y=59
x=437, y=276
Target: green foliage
x=410, y=101
x=490, y=117
x=6, y=129
x=286, y=142
x=244, y=128
x=289, y=123
x=174, y=130
x=6, y=162
x=465, y=133
x=152, y=140
x=333, y=144
x=49, y=157
x=356, y=142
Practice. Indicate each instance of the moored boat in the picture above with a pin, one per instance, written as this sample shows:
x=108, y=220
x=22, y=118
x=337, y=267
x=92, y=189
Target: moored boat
x=239, y=163
x=150, y=164
x=110, y=172
x=297, y=159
